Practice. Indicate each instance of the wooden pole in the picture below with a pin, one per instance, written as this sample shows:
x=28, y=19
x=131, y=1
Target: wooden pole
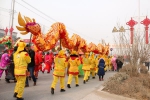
x=60, y=44
x=30, y=39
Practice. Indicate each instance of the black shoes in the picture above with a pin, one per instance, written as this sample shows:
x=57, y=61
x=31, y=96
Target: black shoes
x=7, y=80
x=20, y=99
x=52, y=90
x=68, y=85
x=77, y=85
x=62, y=90
x=84, y=82
x=15, y=95
x=93, y=77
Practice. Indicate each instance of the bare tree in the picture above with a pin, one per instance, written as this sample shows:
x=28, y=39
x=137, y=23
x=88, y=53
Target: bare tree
x=138, y=52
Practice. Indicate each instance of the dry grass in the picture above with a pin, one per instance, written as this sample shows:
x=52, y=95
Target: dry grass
x=128, y=82
x=130, y=70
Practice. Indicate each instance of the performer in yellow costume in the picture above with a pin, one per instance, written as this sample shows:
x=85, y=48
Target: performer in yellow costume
x=21, y=61
x=59, y=71
x=92, y=66
x=86, y=67
x=110, y=64
x=74, y=62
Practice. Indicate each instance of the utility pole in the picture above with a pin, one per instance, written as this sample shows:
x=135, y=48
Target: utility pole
x=10, y=12
x=13, y=7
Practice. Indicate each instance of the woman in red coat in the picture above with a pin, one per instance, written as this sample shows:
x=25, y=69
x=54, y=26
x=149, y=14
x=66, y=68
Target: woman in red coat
x=48, y=62
x=36, y=69
x=41, y=57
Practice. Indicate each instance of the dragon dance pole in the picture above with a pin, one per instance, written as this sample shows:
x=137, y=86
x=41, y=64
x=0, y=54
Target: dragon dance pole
x=30, y=39
x=60, y=44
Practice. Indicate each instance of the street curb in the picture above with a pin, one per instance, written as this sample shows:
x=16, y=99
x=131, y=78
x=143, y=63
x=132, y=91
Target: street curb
x=110, y=96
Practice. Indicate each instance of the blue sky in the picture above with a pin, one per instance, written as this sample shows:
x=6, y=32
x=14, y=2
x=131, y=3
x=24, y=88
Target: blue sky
x=93, y=20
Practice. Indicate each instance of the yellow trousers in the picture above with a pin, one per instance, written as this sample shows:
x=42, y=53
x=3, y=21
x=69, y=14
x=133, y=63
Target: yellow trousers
x=55, y=80
x=86, y=73
x=92, y=71
x=19, y=88
x=70, y=79
x=108, y=67
x=96, y=70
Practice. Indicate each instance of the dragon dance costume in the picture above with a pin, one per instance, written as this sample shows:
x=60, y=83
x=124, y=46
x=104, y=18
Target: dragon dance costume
x=73, y=68
x=93, y=65
x=21, y=61
x=86, y=67
x=59, y=71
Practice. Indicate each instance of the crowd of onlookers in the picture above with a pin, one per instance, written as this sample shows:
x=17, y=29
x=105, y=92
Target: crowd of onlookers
x=40, y=61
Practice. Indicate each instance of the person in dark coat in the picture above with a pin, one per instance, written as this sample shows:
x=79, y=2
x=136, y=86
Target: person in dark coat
x=31, y=65
x=119, y=64
x=10, y=75
x=101, y=71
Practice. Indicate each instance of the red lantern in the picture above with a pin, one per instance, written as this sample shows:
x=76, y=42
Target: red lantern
x=131, y=23
x=146, y=22
x=6, y=30
x=11, y=30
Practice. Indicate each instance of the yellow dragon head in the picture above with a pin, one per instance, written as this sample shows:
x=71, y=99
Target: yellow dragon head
x=28, y=25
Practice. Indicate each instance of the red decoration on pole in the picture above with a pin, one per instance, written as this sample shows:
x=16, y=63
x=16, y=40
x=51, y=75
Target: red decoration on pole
x=11, y=30
x=6, y=31
x=146, y=22
x=131, y=23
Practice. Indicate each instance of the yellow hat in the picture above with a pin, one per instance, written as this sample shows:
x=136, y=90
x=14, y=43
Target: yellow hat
x=19, y=40
x=74, y=52
x=21, y=46
x=61, y=53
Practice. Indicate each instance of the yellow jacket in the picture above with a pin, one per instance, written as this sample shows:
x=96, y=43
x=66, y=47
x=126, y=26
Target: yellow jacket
x=74, y=63
x=86, y=63
x=97, y=61
x=21, y=61
x=109, y=61
x=60, y=66
x=93, y=63
x=106, y=61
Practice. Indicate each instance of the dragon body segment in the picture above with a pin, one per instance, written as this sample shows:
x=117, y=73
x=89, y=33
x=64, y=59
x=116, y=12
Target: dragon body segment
x=44, y=42
x=48, y=41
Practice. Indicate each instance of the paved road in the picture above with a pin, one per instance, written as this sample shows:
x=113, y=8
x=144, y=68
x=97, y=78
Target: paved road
x=42, y=90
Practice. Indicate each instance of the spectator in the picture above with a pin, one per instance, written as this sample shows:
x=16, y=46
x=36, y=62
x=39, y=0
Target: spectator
x=119, y=63
x=31, y=65
x=101, y=71
x=4, y=63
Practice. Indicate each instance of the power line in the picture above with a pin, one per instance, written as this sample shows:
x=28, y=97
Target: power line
x=40, y=11
x=36, y=14
x=55, y=20
x=33, y=12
